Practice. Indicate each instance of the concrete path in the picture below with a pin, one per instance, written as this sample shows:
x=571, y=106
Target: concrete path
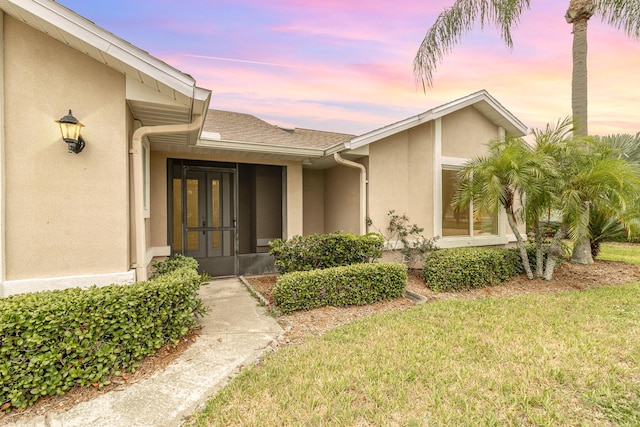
x=235, y=333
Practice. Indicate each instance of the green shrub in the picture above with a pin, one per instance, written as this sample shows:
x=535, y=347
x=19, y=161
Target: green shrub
x=356, y=284
x=172, y=263
x=459, y=269
x=325, y=251
x=51, y=341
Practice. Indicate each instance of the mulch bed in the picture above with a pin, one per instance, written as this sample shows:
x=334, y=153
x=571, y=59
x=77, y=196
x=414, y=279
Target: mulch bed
x=299, y=325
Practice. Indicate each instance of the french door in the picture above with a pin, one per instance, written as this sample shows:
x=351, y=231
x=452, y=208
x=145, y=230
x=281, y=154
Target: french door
x=204, y=217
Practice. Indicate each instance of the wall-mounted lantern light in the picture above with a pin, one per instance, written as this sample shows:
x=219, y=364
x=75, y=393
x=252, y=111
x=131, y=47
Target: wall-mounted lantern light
x=70, y=129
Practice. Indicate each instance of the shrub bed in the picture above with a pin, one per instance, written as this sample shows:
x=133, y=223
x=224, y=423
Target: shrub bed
x=458, y=269
x=325, y=251
x=356, y=284
x=51, y=341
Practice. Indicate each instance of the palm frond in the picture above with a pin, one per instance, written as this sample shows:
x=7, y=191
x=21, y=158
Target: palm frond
x=458, y=20
x=621, y=14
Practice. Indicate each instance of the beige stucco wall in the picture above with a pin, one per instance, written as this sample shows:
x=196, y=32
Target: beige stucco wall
x=313, y=201
x=158, y=196
x=465, y=133
x=66, y=214
x=401, y=178
x=342, y=199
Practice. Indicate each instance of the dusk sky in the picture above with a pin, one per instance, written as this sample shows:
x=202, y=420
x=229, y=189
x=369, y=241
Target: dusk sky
x=347, y=66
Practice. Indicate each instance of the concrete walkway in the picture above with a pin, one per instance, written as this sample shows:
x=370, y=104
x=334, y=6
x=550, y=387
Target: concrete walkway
x=235, y=333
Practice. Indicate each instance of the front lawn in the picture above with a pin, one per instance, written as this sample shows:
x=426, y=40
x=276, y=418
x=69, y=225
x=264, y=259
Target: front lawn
x=566, y=358
x=624, y=252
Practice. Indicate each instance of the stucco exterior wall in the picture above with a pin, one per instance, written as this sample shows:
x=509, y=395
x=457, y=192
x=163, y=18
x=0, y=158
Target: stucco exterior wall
x=420, y=178
x=465, y=133
x=342, y=200
x=158, y=197
x=66, y=214
x=401, y=178
x=313, y=201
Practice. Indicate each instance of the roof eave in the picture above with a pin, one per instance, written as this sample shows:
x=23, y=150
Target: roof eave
x=206, y=141
x=511, y=123
x=75, y=25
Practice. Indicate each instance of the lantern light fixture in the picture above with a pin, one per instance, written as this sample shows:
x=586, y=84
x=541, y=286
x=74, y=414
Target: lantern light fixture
x=70, y=129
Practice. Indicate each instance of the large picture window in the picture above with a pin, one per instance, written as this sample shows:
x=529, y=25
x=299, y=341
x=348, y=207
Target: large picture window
x=456, y=223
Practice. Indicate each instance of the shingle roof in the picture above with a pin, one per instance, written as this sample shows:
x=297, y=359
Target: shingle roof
x=240, y=127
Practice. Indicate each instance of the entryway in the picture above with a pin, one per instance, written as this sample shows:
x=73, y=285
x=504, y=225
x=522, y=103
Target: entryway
x=224, y=214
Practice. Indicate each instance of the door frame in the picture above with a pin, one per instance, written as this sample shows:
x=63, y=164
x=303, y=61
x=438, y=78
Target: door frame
x=207, y=167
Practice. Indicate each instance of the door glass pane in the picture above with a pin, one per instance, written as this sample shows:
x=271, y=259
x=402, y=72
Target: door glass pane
x=215, y=209
x=193, y=214
x=193, y=241
x=177, y=214
x=454, y=222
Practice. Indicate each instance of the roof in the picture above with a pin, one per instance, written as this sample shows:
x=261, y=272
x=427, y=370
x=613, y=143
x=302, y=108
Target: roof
x=156, y=92
x=240, y=131
x=481, y=101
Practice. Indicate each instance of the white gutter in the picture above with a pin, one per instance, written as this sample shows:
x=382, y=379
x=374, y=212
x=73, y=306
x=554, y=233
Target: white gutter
x=363, y=188
x=138, y=184
x=255, y=147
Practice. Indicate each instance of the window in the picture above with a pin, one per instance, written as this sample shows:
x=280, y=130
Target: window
x=456, y=223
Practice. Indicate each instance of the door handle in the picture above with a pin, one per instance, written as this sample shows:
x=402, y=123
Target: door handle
x=204, y=224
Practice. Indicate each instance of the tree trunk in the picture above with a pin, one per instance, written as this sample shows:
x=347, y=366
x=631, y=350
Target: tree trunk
x=539, y=252
x=578, y=15
x=582, y=251
x=520, y=242
x=554, y=252
x=582, y=246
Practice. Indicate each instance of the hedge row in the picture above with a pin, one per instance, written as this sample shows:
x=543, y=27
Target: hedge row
x=325, y=251
x=52, y=341
x=356, y=284
x=459, y=269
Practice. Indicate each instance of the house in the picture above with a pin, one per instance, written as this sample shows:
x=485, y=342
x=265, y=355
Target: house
x=161, y=173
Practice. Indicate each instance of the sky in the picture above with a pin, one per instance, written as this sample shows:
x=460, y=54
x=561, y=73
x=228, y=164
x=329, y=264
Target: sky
x=347, y=65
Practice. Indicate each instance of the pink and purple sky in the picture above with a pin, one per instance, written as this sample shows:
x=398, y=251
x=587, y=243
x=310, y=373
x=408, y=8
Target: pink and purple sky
x=347, y=66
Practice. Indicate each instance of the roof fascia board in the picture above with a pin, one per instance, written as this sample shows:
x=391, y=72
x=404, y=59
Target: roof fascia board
x=90, y=33
x=257, y=148
x=475, y=98
x=392, y=129
x=341, y=146
x=436, y=113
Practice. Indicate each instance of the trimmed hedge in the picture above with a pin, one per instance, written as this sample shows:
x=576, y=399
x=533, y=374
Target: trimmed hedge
x=356, y=284
x=325, y=251
x=458, y=269
x=54, y=340
x=173, y=263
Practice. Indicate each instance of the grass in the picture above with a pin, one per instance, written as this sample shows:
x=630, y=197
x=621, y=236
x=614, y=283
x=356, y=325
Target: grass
x=624, y=253
x=569, y=358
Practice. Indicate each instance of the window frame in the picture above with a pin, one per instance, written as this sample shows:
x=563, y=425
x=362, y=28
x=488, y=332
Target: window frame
x=455, y=163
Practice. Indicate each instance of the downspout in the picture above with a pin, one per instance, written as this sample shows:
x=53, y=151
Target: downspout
x=138, y=184
x=363, y=188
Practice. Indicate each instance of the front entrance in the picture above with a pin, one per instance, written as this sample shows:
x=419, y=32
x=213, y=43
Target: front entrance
x=204, y=217
x=225, y=214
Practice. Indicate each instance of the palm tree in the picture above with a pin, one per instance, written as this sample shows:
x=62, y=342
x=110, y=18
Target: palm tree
x=570, y=174
x=593, y=179
x=605, y=225
x=500, y=179
x=460, y=18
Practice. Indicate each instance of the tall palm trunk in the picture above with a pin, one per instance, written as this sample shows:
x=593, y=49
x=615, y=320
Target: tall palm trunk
x=578, y=15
